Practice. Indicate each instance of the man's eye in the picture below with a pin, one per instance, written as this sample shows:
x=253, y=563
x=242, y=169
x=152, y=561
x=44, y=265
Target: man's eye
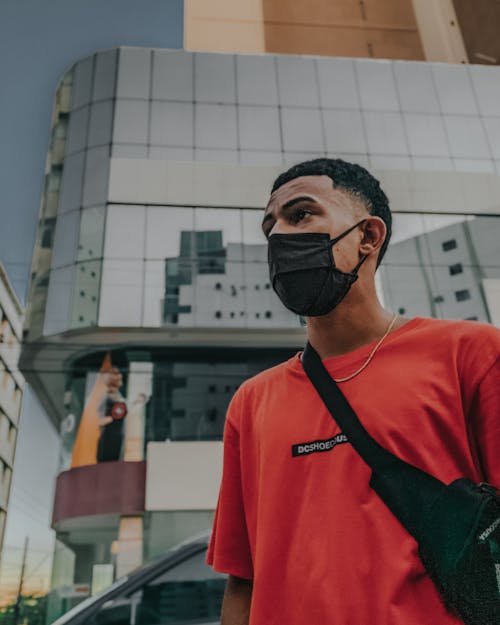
x=299, y=215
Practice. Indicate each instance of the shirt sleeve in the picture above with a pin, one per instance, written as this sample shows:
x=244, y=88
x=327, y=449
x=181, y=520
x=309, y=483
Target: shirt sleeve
x=486, y=423
x=229, y=548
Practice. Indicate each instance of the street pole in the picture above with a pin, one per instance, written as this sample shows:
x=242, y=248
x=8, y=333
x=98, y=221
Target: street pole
x=17, y=607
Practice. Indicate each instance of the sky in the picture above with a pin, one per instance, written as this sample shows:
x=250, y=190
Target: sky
x=39, y=40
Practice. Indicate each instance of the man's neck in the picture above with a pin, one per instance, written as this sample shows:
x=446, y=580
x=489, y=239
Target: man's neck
x=349, y=326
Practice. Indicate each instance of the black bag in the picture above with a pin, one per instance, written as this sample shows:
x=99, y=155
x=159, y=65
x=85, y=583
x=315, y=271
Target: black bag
x=456, y=526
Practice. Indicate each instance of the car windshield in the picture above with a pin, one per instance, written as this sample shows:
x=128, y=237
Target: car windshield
x=201, y=539
x=81, y=607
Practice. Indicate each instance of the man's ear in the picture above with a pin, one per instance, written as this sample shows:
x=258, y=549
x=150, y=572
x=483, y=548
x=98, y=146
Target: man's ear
x=374, y=233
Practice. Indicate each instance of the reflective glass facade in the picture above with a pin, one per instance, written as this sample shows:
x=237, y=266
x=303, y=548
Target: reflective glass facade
x=188, y=392
x=94, y=254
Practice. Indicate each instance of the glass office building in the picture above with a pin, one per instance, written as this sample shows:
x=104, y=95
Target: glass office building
x=150, y=291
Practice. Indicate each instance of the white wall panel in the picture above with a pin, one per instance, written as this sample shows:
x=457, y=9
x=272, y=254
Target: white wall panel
x=172, y=124
x=416, y=88
x=297, y=81
x=199, y=463
x=426, y=134
x=120, y=303
x=454, y=89
x=172, y=75
x=385, y=133
x=133, y=73
x=125, y=226
x=337, y=83
x=344, y=131
x=215, y=76
x=259, y=128
x=302, y=130
x=257, y=82
x=467, y=137
x=377, y=86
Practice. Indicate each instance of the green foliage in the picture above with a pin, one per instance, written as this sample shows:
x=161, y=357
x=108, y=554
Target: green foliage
x=32, y=611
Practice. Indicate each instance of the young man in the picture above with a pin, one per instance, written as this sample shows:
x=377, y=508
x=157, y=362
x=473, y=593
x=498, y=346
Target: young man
x=303, y=537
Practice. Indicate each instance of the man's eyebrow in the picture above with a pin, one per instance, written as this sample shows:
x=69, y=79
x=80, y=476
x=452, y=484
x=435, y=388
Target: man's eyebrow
x=296, y=200
x=289, y=204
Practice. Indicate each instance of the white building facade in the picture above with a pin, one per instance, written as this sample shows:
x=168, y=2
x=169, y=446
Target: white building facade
x=11, y=388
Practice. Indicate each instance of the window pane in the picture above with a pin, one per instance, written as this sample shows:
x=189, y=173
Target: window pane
x=101, y=121
x=121, y=293
x=259, y=128
x=66, y=234
x=86, y=294
x=215, y=78
x=164, y=228
x=168, y=235
x=335, y=72
x=416, y=87
x=133, y=73
x=131, y=122
x=172, y=75
x=344, y=131
x=154, y=293
x=385, y=133
x=376, y=86
x=456, y=269
x=95, y=187
x=57, y=311
x=189, y=593
x=105, y=75
x=190, y=399
x=256, y=80
x=302, y=130
x=71, y=185
x=297, y=81
x=77, y=133
x=215, y=126
x=82, y=83
x=172, y=124
x=125, y=232
x=91, y=233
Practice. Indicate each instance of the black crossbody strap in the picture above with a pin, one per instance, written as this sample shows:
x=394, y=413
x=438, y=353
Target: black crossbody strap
x=403, y=487
x=372, y=453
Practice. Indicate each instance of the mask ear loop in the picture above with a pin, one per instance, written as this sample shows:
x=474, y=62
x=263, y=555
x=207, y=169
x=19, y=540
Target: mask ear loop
x=356, y=269
x=341, y=236
x=344, y=234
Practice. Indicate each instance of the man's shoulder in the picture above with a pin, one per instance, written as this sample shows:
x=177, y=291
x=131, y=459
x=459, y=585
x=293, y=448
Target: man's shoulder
x=252, y=391
x=475, y=346
x=462, y=330
x=271, y=375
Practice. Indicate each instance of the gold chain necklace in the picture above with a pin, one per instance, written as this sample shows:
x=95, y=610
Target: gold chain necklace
x=372, y=353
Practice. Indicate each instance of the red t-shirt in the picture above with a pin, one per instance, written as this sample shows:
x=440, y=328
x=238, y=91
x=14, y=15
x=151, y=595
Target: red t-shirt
x=296, y=513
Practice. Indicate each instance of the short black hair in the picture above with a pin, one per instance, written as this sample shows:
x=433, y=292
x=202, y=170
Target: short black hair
x=351, y=177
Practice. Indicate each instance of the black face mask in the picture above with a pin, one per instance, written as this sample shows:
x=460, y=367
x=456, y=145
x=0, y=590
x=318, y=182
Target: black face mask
x=303, y=272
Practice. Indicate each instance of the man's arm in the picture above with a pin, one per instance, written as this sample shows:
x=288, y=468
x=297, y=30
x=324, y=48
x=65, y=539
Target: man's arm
x=236, y=603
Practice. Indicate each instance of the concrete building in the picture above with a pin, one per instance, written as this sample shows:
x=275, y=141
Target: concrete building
x=11, y=389
x=149, y=239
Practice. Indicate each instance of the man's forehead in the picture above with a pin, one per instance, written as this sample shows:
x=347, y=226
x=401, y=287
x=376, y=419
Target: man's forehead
x=308, y=185
x=319, y=188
